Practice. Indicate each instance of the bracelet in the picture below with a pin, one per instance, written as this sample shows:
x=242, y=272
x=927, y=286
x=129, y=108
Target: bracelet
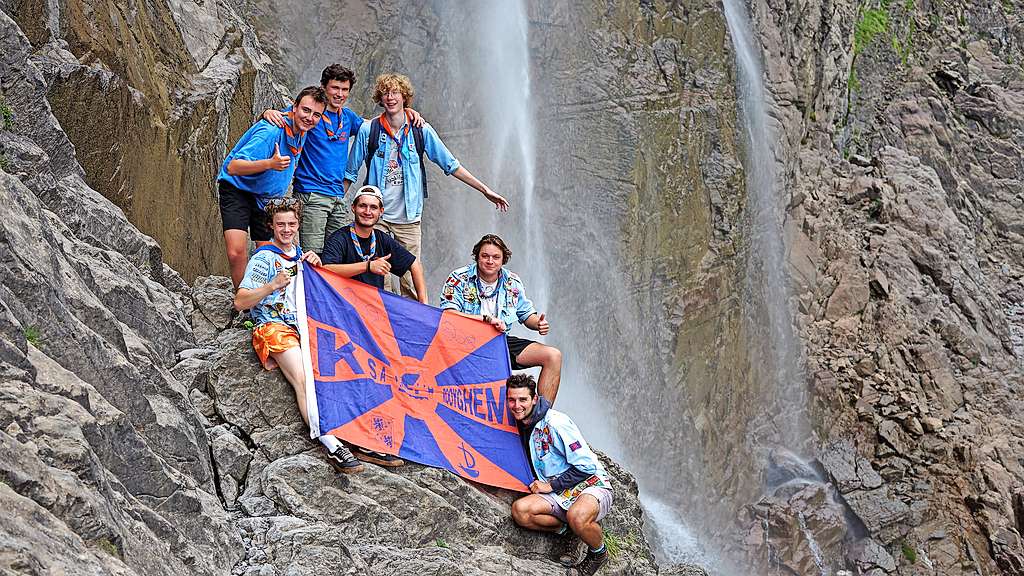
x=367, y=266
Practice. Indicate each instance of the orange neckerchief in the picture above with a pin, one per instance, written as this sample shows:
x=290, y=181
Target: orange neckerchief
x=293, y=133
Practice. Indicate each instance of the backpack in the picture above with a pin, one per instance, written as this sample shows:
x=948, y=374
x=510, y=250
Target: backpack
x=374, y=141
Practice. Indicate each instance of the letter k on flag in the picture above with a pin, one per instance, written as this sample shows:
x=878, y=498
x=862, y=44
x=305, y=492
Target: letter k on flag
x=396, y=376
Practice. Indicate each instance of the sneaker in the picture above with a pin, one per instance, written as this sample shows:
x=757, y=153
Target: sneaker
x=379, y=458
x=343, y=461
x=590, y=564
x=567, y=549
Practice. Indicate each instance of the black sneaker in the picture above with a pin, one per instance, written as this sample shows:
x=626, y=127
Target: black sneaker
x=343, y=461
x=379, y=458
x=590, y=564
x=567, y=549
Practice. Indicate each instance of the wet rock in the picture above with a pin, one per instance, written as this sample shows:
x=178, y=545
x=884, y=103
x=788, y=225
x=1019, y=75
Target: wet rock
x=870, y=555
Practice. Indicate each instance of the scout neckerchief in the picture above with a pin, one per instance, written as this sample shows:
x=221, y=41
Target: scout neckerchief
x=359, y=248
x=332, y=135
x=291, y=271
x=492, y=294
x=282, y=253
x=405, y=133
x=293, y=136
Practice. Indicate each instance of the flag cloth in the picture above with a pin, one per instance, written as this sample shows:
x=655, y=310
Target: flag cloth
x=396, y=376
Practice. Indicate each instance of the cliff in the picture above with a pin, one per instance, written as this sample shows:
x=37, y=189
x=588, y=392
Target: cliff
x=139, y=434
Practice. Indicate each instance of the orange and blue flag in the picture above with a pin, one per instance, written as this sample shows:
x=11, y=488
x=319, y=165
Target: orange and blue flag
x=396, y=376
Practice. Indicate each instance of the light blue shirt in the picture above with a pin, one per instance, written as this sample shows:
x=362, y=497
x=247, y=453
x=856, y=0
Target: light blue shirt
x=278, y=306
x=461, y=292
x=412, y=177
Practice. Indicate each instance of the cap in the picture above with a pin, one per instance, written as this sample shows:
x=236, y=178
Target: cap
x=368, y=190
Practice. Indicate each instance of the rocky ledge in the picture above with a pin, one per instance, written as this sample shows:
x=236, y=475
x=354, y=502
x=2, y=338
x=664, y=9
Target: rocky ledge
x=293, y=510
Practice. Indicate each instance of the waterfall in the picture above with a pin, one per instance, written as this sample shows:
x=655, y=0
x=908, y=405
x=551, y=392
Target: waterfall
x=773, y=344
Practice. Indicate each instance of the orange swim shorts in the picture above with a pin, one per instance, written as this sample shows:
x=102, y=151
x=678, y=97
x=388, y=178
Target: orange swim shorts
x=271, y=338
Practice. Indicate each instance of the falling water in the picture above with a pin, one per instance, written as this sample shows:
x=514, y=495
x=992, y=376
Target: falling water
x=773, y=342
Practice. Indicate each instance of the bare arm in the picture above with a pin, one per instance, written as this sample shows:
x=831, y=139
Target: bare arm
x=418, y=282
x=466, y=176
x=347, y=270
x=537, y=322
x=240, y=167
x=246, y=298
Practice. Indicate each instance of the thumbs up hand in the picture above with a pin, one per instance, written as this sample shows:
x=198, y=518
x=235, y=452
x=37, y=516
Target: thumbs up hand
x=278, y=162
x=380, y=266
x=542, y=325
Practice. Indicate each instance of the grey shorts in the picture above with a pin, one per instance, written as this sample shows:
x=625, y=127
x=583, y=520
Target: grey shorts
x=603, y=496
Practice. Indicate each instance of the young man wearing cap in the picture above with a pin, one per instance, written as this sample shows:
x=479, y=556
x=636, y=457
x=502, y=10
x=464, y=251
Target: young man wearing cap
x=366, y=254
x=259, y=168
x=268, y=290
x=360, y=252
x=394, y=163
x=319, y=178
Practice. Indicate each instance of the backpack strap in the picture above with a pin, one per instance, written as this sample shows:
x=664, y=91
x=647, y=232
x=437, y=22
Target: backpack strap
x=372, y=143
x=417, y=135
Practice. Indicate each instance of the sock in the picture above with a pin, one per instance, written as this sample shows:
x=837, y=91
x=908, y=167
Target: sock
x=596, y=551
x=562, y=529
x=330, y=442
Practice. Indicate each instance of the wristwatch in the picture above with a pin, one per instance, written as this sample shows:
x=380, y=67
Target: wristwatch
x=487, y=318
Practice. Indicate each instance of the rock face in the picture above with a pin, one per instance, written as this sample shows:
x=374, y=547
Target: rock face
x=150, y=94
x=138, y=435
x=901, y=129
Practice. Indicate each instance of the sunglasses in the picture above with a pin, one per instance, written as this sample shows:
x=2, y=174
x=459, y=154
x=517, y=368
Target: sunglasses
x=283, y=202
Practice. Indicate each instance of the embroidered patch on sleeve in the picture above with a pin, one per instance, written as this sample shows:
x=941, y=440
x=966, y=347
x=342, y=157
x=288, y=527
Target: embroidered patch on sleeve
x=575, y=446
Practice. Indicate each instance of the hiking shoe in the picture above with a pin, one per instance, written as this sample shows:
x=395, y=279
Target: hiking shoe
x=343, y=461
x=590, y=564
x=567, y=549
x=379, y=458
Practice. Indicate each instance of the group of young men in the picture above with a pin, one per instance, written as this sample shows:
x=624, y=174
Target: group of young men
x=374, y=237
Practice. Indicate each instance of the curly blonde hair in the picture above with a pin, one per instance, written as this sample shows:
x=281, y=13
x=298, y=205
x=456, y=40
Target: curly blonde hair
x=393, y=82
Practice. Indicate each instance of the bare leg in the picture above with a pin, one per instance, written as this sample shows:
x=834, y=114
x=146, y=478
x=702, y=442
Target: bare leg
x=549, y=359
x=534, y=513
x=291, y=366
x=237, y=243
x=582, y=516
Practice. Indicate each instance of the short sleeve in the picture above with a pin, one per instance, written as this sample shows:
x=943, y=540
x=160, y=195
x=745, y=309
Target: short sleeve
x=260, y=145
x=257, y=272
x=333, y=250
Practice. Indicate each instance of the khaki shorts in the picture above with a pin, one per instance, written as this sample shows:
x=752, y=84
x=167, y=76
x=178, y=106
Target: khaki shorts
x=603, y=496
x=322, y=215
x=408, y=235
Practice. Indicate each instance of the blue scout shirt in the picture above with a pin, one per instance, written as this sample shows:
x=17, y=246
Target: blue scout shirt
x=325, y=155
x=258, y=144
x=412, y=177
x=461, y=292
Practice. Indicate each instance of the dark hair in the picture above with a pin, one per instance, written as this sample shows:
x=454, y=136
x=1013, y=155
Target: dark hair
x=522, y=380
x=316, y=92
x=494, y=240
x=281, y=205
x=339, y=73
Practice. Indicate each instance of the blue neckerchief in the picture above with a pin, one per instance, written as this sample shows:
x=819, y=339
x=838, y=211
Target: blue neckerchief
x=359, y=248
x=279, y=252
